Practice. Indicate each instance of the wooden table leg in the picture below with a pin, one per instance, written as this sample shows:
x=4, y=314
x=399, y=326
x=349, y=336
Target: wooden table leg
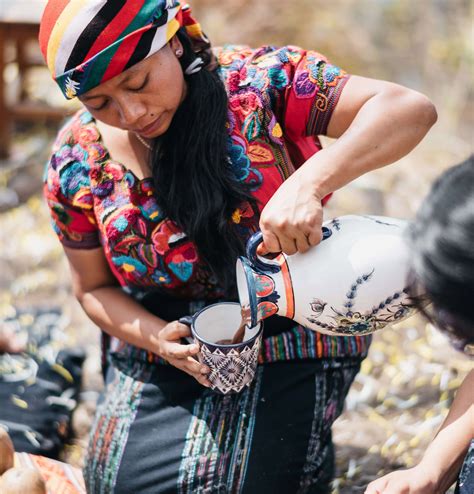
x=4, y=113
x=22, y=66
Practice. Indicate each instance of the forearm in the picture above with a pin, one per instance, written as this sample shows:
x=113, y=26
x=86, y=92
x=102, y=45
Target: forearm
x=119, y=315
x=445, y=454
x=387, y=127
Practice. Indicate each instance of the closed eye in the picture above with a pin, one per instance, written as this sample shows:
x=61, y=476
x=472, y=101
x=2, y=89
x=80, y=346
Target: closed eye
x=101, y=107
x=142, y=86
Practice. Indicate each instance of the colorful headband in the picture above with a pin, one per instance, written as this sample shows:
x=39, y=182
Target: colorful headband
x=88, y=42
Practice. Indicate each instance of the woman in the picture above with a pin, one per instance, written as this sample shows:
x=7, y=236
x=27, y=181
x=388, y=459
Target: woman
x=443, y=266
x=181, y=153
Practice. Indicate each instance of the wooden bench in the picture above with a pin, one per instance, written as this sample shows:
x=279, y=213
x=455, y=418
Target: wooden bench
x=19, y=24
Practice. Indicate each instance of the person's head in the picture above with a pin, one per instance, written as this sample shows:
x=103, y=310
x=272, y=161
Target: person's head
x=442, y=241
x=87, y=43
x=147, y=67
x=144, y=98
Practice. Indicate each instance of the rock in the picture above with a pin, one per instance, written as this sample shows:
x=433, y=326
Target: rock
x=8, y=199
x=25, y=183
x=81, y=421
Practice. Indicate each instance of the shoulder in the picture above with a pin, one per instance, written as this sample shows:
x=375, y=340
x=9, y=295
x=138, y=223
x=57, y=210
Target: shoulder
x=75, y=149
x=80, y=128
x=270, y=68
x=258, y=68
x=263, y=57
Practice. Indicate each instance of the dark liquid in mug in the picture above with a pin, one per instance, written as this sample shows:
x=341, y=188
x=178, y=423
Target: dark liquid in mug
x=224, y=342
x=240, y=333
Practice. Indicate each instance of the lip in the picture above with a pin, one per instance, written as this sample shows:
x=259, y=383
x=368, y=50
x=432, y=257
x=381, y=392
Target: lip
x=150, y=129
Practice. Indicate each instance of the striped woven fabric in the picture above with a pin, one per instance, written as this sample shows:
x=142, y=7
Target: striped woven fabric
x=60, y=478
x=87, y=42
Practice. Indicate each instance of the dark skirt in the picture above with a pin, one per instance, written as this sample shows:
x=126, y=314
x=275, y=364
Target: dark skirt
x=465, y=484
x=159, y=431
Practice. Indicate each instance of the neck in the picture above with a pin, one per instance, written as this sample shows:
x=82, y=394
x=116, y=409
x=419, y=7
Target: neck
x=147, y=143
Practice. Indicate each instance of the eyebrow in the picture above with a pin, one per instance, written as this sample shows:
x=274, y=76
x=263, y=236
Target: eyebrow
x=130, y=73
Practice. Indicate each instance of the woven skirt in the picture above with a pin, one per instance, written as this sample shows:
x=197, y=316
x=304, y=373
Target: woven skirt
x=158, y=431
x=465, y=484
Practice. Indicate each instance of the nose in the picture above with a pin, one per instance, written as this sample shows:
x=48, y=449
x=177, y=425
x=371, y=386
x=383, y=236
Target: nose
x=131, y=110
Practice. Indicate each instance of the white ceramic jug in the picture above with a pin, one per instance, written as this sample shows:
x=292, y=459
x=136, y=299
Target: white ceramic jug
x=352, y=283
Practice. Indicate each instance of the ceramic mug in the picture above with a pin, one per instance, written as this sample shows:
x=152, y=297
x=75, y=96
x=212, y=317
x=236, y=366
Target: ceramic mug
x=232, y=366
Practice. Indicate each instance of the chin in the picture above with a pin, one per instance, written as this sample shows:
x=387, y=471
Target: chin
x=162, y=130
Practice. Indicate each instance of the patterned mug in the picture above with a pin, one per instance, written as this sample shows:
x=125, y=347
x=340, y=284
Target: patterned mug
x=233, y=366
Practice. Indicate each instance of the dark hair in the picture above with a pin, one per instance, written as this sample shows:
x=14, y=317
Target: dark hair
x=194, y=181
x=442, y=239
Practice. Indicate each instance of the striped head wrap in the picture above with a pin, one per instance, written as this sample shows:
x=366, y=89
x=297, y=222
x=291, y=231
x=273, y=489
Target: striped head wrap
x=88, y=42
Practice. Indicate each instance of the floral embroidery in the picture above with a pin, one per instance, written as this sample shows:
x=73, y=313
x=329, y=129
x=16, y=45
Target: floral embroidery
x=245, y=103
x=259, y=152
x=242, y=214
x=73, y=177
x=315, y=75
x=96, y=201
x=305, y=87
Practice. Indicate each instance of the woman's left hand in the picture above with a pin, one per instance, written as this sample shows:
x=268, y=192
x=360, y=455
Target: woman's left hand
x=291, y=220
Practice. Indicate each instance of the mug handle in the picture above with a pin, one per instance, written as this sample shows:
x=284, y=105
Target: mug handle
x=263, y=263
x=188, y=320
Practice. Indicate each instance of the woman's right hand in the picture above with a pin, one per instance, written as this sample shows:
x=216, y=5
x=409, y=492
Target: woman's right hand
x=417, y=480
x=119, y=315
x=181, y=356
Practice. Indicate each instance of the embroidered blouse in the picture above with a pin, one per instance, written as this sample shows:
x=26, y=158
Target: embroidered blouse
x=280, y=100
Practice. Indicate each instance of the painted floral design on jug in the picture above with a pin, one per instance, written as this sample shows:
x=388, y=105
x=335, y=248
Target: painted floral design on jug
x=352, y=322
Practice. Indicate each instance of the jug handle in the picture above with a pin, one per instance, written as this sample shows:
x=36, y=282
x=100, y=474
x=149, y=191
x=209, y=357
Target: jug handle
x=263, y=263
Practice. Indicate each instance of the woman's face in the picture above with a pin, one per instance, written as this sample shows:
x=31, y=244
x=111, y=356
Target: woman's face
x=144, y=98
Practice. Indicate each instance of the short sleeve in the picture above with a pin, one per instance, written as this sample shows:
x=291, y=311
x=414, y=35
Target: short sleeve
x=312, y=93
x=68, y=195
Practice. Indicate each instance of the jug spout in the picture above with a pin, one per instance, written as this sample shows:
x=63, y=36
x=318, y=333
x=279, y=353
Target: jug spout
x=258, y=293
x=264, y=285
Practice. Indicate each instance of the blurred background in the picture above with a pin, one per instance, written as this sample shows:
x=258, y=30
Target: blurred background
x=408, y=382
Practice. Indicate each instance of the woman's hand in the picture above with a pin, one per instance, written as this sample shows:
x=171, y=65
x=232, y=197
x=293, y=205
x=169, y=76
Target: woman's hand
x=375, y=123
x=416, y=480
x=291, y=220
x=116, y=313
x=10, y=342
x=178, y=355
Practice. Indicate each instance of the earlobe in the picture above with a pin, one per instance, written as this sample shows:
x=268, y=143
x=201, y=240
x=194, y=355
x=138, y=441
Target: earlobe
x=176, y=46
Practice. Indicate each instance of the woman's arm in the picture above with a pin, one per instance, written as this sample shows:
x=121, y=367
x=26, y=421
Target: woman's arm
x=442, y=461
x=375, y=123
x=119, y=315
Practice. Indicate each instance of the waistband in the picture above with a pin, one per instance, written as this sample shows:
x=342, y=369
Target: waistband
x=283, y=339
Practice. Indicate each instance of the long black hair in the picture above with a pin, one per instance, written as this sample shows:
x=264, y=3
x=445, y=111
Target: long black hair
x=194, y=181
x=442, y=238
